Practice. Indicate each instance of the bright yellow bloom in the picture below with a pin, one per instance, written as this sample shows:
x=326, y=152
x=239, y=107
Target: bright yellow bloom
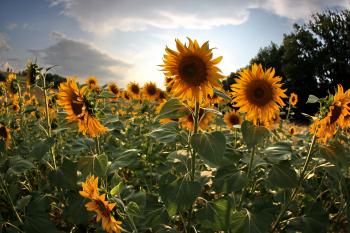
x=103, y=210
x=91, y=82
x=232, y=118
x=90, y=188
x=327, y=127
x=204, y=119
x=193, y=70
x=293, y=99
x=134, y=90
x=79, y=109
x=5, y=135
x=150, y=91
x=258, y=93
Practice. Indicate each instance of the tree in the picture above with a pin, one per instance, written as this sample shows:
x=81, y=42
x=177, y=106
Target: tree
x=314, y=58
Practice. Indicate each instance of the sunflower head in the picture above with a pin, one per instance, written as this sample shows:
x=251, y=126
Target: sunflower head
x=204, y=119
x=91, y=82
x=150, y=91
x=33, y=72
x=332, y=115
x=134, y=90
x=291, y=130
x=12, y=84
x=81, y=107
x=90, y=188
x=113, y=88
x=293, y=99
x=5, y=135
x=232, y=118
x=162, y=95
x=258, y=93
x=193, y=70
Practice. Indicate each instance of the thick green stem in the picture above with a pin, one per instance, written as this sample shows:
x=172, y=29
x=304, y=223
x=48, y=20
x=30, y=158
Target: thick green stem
x=195, y=130
x=295, y=191
x=48, y=119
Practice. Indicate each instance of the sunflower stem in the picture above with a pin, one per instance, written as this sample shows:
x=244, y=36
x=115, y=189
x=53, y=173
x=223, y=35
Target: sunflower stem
x=295, y=191
x=4, y=188
x=48, y=119
x=98, y=149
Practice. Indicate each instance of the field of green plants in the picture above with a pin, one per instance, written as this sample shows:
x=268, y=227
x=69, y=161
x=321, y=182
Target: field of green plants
x=83, y=157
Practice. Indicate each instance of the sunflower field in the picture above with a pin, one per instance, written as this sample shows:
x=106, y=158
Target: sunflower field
x=84, y=157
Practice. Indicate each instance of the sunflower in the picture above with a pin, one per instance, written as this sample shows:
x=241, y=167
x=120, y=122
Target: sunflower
x=90, y=188
x=150, y=91
x=113, y=88
x=32, y=73
x=5, y=135
x=293, y=99
x=258, y=93
x=232, y=118
x=162, y=95
x=204, y=119
x=193, y=70
x=134, y=90
x=168, y=83
x=80, y=108
x=338, y=110
x=103, y=210
x=91, y=82
x=125, y=95
x=12, y=84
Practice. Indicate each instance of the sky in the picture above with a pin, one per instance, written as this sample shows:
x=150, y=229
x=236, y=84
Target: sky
x=124, y=40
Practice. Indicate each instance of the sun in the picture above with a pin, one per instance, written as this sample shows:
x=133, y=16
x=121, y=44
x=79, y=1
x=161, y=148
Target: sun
x=258, y=93
x=193, y=71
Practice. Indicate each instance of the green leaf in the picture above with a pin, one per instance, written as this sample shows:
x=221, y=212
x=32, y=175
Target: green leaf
x=37, y=217
x=66, y=176
x=18, y=165
x=95, y=165
x=252, y=134
x=278, y=152
x=124, y=159
x=107, y=95
x=314, y=219
x=216, y=215
x=173, y=109
x=336, y=153
x=75, y=212
x=282, y=175
x=222, y=95
x=312, y=99
x=179, y=194
x=246, y=221
x=228, y=179
x=166, y=133
x=41, y=148
x=210, y=146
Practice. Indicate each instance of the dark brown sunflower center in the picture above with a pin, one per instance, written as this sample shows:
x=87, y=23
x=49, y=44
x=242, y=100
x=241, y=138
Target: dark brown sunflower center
x=104, y=211
x=135, y=89
x=336, y=111
x=193, y=70
x=114, y=89
x=77, y=106
x=3, y=132
x=234, y=119
x=259, y=92
x=151, y=90
x=293, y=99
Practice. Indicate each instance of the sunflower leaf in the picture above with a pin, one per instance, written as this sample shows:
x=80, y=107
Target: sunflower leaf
x=253, y=134
x=173, y=109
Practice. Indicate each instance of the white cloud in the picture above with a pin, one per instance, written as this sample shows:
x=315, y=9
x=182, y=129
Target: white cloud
x=4, y=46
x=104, y=16
x=82, y=59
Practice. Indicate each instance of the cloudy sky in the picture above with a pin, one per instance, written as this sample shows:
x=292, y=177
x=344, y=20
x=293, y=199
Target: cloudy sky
x=124, y=40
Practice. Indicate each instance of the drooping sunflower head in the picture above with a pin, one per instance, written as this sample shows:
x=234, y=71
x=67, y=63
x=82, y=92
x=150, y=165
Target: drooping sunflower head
x=258, y=93
x=292, y=130
x=12, y=84
x=5, y=135
x=232, y=118
x=125, y=95
x=168, y=82
x=193, y=70
x=80, y=107
x=32, y=73
x=162, y=95
x=335, y=118
x=150, y=91
x=293, y=99
x=204, y=119
x=134, y=90
x=113, y=88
